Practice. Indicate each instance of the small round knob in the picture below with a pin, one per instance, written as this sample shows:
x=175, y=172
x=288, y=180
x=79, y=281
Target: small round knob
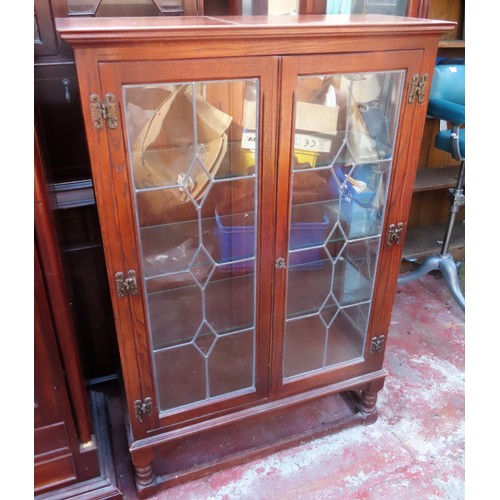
x=280, y=263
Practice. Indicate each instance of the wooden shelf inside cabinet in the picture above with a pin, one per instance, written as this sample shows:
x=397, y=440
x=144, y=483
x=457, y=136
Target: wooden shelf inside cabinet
x=424, y=241
x=429, y=179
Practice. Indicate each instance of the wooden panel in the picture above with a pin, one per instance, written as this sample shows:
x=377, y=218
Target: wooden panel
x=47, y=409
x=452, y=10
x=312, y=6
x=51, y=275
x=418, y=8
x=50, y=437
x=246, y=440
x=60, y=122
x=122, y=8
x=54, y=472
x=220, y=7
x=45, y=37
x=430, y=208
x=51, y=408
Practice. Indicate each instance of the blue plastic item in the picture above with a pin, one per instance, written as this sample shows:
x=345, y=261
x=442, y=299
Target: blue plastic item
x=358, y=212
x=237, y=242
x=447, y=96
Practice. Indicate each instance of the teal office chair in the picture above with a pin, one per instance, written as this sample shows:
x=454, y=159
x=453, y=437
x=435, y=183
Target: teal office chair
x=447, y=102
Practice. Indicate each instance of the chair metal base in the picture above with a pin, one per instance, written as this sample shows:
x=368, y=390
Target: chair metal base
x=447, y=266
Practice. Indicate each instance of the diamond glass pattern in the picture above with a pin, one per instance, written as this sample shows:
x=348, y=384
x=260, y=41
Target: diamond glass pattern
x=345, y=126
x=205, y=338
x=189, y=163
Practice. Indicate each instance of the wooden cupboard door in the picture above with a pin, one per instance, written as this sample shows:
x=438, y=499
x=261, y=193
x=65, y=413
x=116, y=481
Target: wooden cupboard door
x=193, y=193
x=344, y=131
x=54, y=432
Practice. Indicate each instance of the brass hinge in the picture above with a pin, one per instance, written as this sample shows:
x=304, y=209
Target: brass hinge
x=394, y=233
x=103, y=112
x=126, y=285
x=143, y=408
x=377, y=343
x=418, y=87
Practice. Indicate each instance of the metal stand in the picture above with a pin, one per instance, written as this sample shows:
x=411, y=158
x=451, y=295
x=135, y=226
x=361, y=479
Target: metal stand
x=444, y=261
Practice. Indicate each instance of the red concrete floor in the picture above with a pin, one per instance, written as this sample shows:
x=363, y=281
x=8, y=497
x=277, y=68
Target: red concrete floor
x=415, y=450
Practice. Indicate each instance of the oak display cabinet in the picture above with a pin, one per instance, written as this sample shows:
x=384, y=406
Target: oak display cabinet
x=253, y=178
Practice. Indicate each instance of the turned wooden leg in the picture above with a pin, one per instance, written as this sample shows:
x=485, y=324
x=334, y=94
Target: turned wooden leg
x=144, y=475
x=368, y=402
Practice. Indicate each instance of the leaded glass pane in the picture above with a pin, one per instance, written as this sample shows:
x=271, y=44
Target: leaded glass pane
x=345, y=131
x=193, y=149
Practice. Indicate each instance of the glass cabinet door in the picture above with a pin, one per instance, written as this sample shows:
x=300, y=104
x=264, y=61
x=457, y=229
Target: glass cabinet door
x=193, y=150
x=344, y=136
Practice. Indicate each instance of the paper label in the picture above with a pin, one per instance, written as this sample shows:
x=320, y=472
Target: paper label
x=308, y=142
x=248, y=140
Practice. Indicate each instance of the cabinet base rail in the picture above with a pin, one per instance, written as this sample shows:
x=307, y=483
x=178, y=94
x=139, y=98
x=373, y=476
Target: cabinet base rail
x=204, y=448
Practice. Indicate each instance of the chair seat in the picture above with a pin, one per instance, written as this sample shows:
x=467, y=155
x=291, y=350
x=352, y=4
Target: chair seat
x=446, y=110
x=443, y=141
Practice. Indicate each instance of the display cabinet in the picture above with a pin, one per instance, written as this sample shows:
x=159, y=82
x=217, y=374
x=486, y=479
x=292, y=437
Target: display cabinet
x=253, y=178
x=60, y=126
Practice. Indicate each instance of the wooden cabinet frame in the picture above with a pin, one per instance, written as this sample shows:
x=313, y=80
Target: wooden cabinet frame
x=112, y=53
x=113, y=76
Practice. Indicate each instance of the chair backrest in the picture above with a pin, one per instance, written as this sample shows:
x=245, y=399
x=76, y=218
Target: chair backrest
x=448, y=83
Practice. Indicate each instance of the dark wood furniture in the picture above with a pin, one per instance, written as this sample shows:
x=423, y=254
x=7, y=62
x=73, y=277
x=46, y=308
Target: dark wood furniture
x=62, y=138
x=229, y=326
x=58, y=458
x=71, y=203
x=71, y=444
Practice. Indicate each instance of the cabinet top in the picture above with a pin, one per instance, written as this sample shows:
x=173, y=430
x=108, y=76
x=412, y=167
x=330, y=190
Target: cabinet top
x=113, y=30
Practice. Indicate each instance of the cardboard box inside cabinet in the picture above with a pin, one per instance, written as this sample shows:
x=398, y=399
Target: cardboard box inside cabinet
x=312, y=122
x=316, y=117
x=315, y=125
x=249, y=115
x=310, y=117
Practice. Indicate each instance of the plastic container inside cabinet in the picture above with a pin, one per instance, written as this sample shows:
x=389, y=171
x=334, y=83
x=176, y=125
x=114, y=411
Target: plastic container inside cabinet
x=236, y=237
